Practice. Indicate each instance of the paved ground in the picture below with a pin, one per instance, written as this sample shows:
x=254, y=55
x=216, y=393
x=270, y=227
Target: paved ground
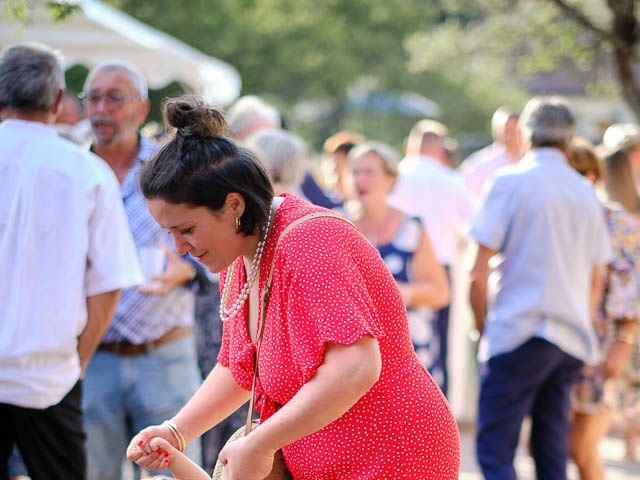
x=612, y=450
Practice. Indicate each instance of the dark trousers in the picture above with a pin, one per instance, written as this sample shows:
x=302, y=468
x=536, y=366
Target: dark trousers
x=534, y=379
x=51, y=441
x=441, y=326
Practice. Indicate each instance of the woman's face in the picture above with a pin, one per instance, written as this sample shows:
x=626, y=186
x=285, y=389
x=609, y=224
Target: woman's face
x=372, y=182
x=209, y=237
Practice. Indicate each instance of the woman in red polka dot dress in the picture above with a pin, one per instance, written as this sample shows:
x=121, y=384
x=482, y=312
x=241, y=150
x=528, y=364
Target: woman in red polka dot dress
x=340, y=388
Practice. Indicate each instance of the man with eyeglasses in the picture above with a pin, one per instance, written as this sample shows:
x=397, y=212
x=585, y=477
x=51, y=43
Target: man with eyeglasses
x=145, y=368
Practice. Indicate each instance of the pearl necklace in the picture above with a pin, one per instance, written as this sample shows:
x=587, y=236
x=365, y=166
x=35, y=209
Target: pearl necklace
x=227, y=314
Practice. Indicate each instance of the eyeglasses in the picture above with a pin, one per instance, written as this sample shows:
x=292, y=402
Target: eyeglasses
x=111, y=99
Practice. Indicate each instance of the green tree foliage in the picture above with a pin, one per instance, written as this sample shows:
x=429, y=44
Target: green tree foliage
x=595, y=40
x=19, y=10
x=306, y=50
x=294, y=49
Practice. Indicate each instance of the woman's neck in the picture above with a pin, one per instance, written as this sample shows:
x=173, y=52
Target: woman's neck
x=379, y=223
x=251, y=241
x=251, y=245
x=375, y=212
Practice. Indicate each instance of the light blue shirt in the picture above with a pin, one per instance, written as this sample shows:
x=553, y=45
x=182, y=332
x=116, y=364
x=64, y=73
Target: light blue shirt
x=549, y=227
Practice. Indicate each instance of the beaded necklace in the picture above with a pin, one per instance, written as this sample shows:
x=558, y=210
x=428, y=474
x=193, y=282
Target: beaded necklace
x=227, y=314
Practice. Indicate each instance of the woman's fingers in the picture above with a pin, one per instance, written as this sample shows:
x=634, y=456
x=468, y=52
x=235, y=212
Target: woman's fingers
x=150, y=448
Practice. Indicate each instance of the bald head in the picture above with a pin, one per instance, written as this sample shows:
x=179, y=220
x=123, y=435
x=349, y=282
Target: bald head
x=427, y=138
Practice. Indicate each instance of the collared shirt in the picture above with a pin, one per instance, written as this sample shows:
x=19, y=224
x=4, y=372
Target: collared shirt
x=438, y=197
x=63, y=237
x=139, y=317
x=546, y=222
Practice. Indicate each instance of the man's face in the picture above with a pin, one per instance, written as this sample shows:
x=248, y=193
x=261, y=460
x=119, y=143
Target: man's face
x=114, y=107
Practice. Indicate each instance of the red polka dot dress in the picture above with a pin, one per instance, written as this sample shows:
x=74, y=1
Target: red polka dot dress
x=331, y=286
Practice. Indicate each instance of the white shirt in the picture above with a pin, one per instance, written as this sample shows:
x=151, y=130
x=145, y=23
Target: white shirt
x=63, y=236
x=437, y=196
x=545, y=220
x=478, y=175
x=481, y=155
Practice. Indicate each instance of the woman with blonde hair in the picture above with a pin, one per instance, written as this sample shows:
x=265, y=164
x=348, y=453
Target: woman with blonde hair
x=404, y=246
x=615, y=314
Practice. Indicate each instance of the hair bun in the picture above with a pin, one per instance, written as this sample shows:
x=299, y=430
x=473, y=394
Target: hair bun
x=191, y=117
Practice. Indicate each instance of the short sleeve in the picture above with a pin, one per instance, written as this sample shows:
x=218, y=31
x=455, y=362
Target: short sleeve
x=328, y=299
x=112, y=259
x=490, y=225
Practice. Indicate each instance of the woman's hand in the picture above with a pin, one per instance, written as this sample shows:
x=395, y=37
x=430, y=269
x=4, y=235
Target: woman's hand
x=142, y=452
x=177, y=273
x=246, y=460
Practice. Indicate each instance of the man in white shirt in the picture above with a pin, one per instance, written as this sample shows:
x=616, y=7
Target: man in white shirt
x=548, y=226
x=479, y=169
x=427, y=188
x=65, y=254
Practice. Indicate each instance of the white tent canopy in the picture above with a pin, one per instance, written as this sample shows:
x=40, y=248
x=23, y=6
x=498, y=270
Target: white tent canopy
x=101, y=32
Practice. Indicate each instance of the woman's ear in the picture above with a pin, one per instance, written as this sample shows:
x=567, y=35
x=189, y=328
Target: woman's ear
x=234, y=204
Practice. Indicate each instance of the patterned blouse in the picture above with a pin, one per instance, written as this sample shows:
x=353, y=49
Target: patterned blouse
x=621, y=300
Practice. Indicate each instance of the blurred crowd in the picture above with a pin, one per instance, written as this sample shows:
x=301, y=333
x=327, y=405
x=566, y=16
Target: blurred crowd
x=551, y=221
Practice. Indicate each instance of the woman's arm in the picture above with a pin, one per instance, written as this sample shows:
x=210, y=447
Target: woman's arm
x=430, y=287
x=478, y=289
x=620, y=351
x=217, y=398
x=345, y=375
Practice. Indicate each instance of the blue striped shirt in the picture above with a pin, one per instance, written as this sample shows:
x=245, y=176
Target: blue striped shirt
x=140, y=317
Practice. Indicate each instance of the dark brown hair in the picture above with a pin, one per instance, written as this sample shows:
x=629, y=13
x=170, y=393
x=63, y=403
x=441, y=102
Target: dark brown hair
x=200, y=166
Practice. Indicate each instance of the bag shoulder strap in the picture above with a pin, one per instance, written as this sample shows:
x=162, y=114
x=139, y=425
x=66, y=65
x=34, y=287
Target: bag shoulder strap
x=264, y=303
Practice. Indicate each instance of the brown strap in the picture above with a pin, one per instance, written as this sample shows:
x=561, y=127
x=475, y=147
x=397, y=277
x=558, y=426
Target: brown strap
x=264, y=303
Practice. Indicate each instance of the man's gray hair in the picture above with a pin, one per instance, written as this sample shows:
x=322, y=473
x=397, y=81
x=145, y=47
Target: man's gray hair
x=547, y=122
x=31, y=77
x=283, y=155
x=250, y=114
x=135, y=75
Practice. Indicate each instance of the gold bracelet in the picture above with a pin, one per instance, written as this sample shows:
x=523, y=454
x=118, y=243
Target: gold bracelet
x=182, y=444
x=626, y=337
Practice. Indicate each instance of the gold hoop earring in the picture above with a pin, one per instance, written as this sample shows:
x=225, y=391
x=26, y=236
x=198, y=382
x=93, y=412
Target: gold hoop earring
x=237, y=224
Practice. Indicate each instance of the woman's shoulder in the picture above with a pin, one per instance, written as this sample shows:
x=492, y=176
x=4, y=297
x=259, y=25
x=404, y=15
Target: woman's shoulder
x=293, y=214
x=620, y=220
x=327, y=236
